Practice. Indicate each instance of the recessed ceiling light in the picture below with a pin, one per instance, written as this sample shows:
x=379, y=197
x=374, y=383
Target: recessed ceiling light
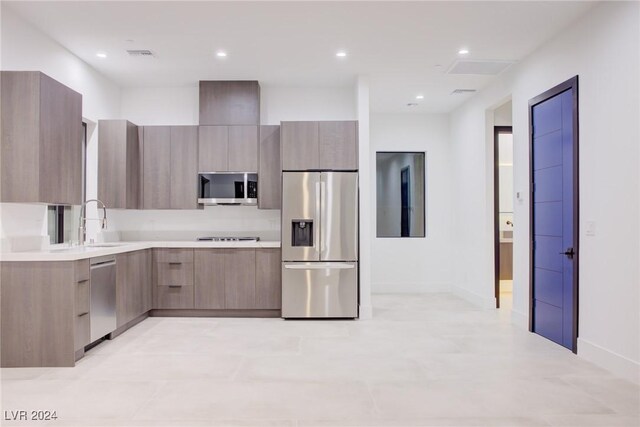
x=341, y=54
x=463, y=51
x=412, y=104
x=419, y=96
x=221, y=54
x=101, y=55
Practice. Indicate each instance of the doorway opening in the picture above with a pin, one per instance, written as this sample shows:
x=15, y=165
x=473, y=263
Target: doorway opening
x=503, y=215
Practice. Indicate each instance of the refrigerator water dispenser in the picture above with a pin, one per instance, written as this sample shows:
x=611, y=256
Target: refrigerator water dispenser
x=302, y=233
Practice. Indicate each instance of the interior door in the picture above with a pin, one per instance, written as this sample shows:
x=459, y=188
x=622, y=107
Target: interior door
x=554, y=222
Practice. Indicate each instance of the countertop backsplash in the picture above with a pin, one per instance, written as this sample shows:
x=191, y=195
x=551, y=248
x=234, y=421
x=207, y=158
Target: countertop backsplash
x=172, y=225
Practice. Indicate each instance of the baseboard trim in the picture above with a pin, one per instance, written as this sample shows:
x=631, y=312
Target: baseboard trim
x=617, y=364
x=213, y=313
x=474, y=298
x=365, y=312
x=408, y=287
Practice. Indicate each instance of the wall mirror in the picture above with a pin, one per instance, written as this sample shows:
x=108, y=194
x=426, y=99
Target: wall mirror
x=400, y=194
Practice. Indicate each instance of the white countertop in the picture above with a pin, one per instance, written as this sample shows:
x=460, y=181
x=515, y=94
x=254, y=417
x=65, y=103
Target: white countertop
x=74, y=253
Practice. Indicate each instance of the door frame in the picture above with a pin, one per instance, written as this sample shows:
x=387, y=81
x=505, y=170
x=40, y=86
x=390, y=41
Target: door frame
x=572, y=85
x=497, y=130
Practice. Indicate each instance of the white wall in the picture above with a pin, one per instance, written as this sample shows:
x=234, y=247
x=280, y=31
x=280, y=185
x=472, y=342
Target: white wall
x=416, y=264
x=24, y=48
x=603, y=48
x=279, y=103
x=160, y=106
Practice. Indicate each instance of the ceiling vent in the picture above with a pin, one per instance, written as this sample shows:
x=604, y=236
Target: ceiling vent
x=462, y=91
x=486, y=68
x=140, y=52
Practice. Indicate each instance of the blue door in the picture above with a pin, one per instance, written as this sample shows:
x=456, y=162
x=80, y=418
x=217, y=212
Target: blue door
x=554, y=216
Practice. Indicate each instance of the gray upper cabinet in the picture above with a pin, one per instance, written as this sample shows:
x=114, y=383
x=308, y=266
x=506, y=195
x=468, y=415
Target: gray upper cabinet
x=299, y=145
x=184, y=167
x=338, y=145
x=331, y=145
x=41, y=143
x=243, y=149
x=119, y=163
x=213, y=148
x=170, y=167
x=229, y=103
x=228, y=149
x=269, y=173
x=156, y=183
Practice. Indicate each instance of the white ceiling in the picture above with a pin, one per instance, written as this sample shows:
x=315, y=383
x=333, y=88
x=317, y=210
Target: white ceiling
x=294, y=43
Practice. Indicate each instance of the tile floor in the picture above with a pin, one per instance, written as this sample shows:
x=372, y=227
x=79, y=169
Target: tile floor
x=423, y=360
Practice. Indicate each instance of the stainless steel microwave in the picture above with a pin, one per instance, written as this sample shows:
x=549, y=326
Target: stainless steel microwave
x=228, y=188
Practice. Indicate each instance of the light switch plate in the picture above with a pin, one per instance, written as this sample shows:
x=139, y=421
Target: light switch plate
x=590, y=227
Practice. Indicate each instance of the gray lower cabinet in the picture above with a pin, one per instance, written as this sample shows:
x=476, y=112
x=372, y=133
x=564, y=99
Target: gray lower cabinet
x=269, y=170
x=237, y=279
x=228, y=149
x=173, y=279
x=41, y=144
x=44, y=313
x=240, y=279
x=268, y=279
x=209, y=274
x=133, y=285
x=330, y=145
x=170, y=176
x=119, y=164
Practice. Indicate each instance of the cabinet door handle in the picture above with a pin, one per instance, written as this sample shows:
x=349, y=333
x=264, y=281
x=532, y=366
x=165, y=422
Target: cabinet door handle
x=175, y=286
x=175, y=263
x=83, y=313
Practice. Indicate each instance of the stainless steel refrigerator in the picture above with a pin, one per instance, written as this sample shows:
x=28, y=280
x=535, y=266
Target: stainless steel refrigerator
x=320, y=244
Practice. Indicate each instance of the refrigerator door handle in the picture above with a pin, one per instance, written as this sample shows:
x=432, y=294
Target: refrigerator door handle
x=323, y=266
x=317, y=244
x=323, y=216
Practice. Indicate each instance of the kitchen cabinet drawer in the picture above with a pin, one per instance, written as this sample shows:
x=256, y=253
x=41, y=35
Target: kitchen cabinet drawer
x=82, y=331
x=173, y=255
x=83, y=292
x=82, y=270
x=174, y=274
x=174, y=297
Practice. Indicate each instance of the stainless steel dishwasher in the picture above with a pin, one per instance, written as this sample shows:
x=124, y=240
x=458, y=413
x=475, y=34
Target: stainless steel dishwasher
x=103, y=297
